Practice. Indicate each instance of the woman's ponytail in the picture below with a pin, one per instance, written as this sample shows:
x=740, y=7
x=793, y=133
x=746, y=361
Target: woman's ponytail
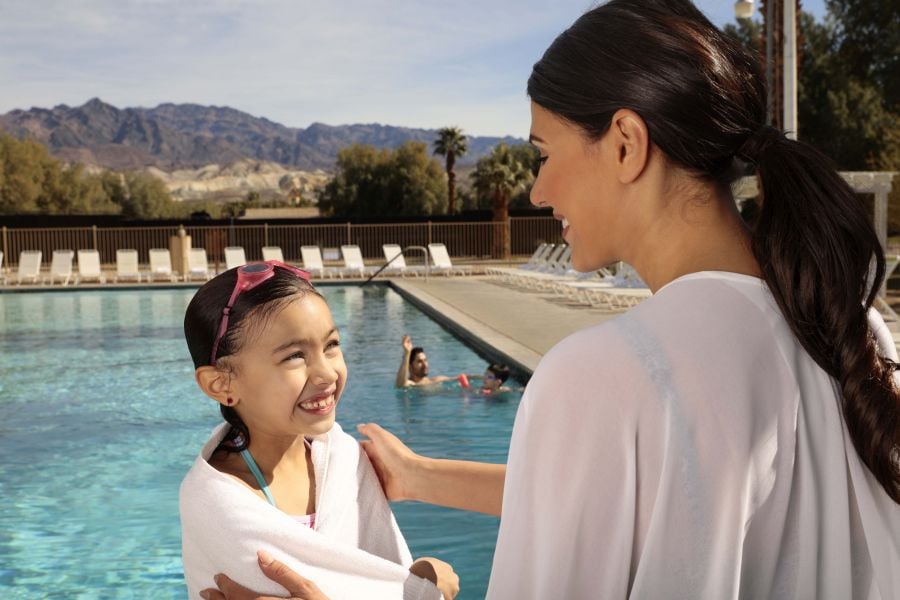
x=823, y=262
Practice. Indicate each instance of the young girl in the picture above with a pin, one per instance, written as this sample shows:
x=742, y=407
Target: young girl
x=280, y=475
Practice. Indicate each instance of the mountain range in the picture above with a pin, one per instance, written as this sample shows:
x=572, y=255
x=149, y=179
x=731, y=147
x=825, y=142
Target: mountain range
x=184, y=136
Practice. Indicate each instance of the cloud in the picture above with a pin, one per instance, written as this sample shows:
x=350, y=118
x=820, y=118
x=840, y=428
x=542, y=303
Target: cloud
x=404, y=62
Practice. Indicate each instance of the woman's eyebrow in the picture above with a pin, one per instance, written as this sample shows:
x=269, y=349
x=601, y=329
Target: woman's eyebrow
x=301, y=342
x=533, y=138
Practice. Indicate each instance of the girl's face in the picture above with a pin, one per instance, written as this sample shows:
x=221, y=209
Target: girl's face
x=290, y=373
x=575, y=181
x=491, y=382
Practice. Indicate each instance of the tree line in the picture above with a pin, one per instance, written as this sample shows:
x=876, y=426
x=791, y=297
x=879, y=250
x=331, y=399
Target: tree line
x=848, y=84
x=32, y=181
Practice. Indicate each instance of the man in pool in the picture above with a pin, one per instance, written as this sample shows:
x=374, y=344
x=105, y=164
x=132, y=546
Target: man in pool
x=413, y=369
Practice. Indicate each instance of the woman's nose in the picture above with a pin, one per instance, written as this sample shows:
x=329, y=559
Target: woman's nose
x=536, y=197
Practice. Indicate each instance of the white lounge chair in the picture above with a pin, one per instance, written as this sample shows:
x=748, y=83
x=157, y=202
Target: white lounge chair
x=354, y=265
x=235, y=257
x=29, y=266
x=198, y=265
x=312, y=262
x=442, y=262
x=127, y=265
x=89, y=267
x=398, y=265
x=161, y=264
x=61, y=266
x=272, y=253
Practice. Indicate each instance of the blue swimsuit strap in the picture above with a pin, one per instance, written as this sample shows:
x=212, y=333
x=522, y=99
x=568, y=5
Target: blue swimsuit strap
x=259, y=476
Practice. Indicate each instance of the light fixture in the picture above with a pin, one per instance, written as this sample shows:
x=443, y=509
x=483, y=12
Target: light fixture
x=743, y=9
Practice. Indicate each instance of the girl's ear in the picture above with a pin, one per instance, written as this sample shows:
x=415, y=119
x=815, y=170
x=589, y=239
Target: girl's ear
x=216, y=384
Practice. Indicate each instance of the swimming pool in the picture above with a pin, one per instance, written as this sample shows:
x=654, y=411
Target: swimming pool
x=100, y=419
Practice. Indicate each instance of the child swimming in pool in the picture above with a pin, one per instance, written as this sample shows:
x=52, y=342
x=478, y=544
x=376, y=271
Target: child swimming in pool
x=280, y=475
x=492, y=381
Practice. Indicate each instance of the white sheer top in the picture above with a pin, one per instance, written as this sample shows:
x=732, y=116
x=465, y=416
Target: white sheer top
x=690, y=448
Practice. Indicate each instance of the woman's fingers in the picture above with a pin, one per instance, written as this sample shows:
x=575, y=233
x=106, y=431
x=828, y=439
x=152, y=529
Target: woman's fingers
x=229, y=590
x=389, y=457
x=299, y=587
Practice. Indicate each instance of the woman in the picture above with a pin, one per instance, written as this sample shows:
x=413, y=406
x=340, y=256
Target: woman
x=734, y=436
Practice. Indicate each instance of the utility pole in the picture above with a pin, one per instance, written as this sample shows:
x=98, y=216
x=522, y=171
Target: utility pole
x=780, y=27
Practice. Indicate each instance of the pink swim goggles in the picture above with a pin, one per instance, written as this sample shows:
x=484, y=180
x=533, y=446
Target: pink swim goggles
x=248, y=277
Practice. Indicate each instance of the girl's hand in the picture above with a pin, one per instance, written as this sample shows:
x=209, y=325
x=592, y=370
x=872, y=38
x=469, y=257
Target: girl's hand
x=298, y=587
x=393, y=461
x=439, y=573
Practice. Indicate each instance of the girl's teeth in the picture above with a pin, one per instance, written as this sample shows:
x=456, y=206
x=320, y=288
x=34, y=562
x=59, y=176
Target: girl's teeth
x=565, y=222
x=316, y=405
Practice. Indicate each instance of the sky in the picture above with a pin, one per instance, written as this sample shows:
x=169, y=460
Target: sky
x=412, y=63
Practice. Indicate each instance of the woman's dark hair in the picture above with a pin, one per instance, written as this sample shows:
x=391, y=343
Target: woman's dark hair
x=253, y=307
x=500, y=371
x=702, y=98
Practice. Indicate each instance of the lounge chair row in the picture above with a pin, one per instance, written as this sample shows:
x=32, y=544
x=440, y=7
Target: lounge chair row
x=549, y=270
x=89, y=267
x=128, y=265
x=354, y=265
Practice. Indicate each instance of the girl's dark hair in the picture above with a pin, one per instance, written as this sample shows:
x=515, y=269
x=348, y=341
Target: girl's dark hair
x=253, y=307
x=702, y=98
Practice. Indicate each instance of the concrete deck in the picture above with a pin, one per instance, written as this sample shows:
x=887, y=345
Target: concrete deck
x=498, y=320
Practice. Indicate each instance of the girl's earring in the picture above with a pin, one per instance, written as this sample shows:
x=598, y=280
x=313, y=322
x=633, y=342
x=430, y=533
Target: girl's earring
x=229, y=401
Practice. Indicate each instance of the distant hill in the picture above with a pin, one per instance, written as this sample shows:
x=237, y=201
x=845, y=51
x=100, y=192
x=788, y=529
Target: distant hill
x=185, y=136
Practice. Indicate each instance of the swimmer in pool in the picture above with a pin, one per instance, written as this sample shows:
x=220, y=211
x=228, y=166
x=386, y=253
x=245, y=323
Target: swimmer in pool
x=492, y=381
x=413, y=369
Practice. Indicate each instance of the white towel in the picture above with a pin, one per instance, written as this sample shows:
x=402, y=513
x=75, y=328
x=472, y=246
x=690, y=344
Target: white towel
x=355, y=551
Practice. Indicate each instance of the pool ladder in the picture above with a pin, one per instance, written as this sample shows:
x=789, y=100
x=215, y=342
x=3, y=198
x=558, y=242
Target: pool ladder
x=402, y=252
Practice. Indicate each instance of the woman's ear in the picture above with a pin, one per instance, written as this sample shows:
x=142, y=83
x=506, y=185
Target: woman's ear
x=216, y=384
x=631, y=142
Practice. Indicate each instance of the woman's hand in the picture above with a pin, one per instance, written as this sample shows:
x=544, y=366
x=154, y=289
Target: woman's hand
x=298, y=587
x=394, y=462
x=405, y=475
x=439, y=573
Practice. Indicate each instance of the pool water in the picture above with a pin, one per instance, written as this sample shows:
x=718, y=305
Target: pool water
x=100, y=419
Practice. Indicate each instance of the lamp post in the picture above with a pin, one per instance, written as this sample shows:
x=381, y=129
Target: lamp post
x=785, y=56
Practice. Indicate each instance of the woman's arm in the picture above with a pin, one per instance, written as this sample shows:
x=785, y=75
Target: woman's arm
x=405, y=475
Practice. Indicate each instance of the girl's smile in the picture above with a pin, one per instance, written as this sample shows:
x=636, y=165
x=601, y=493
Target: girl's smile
x=290, y=373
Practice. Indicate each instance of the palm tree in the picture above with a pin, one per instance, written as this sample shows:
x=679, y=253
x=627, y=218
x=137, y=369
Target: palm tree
x=497, y=177
x=451, y=143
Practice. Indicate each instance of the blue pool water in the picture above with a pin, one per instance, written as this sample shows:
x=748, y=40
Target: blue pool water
x=100, y=418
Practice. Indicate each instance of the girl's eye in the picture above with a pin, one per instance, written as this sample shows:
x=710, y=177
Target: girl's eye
x=542, y=160
x=295, y=356
x=332, y=344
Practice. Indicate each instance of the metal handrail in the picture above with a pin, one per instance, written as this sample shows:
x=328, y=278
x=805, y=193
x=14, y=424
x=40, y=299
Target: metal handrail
x=398, y=255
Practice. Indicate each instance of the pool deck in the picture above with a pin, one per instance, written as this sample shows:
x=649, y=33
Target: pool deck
x=499, y=321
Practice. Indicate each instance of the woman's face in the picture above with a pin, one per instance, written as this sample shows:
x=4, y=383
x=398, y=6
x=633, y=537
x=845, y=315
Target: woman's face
x=576, y=182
